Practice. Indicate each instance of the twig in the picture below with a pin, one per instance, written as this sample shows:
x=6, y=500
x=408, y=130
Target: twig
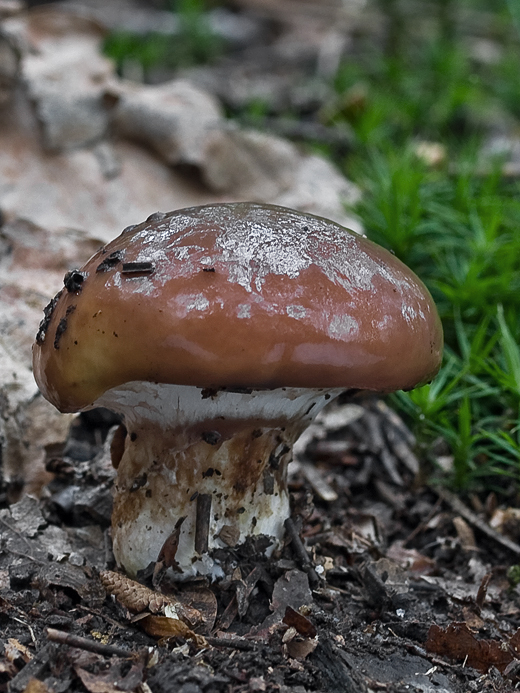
x=234, y=643
x=63, y=638
x=28, y=556
x=301, y=552
x=99, y=613
x=15, y=531
x=424, y=523
x=31, y=631
x=318, y=483
x=458, y=506
x=380, y=448
x=395, y=422
x=304, y=130
x=229, y=614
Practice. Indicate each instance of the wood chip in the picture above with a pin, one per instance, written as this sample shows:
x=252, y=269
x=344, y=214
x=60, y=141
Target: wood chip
x=465, y=534
x=318, y=483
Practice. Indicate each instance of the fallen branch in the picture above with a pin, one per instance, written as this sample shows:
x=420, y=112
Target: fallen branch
x=301, y=552
x=63, y=638
x=458, y=506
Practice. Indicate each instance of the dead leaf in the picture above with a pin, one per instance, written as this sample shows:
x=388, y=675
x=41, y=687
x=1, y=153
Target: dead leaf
x=300, y=639
x=15, y=650
x=300, y=623
x=8, y=668
x=205, y=602
x=299, y=648
x=458, y=643
x=411, y=559
x=229, y=535
x=166, y=557
x=507, y=522
x=99, y=676
x=165, y=627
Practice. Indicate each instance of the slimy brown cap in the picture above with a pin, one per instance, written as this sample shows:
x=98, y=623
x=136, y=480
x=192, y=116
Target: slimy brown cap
x=239, y=296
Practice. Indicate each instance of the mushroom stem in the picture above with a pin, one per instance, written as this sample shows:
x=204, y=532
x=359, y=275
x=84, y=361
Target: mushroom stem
x=216, y=458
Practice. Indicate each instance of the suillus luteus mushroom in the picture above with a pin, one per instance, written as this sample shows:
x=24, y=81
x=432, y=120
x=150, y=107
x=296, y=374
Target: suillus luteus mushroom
x=218, y=333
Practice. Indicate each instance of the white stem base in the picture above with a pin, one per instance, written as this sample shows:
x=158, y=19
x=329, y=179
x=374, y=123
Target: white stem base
x=210, y=468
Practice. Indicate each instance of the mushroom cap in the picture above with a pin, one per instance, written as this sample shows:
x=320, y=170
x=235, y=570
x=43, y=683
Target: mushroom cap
x=240, y=296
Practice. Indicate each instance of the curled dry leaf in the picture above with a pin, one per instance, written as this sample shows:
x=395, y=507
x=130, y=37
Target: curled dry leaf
x=15, y=650
x=166, y=627
x=301, y=638
x=166, y=557
x=299, y=622
x=465, y=534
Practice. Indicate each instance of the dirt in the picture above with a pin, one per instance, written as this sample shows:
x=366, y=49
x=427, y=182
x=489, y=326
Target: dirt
x=378, y=589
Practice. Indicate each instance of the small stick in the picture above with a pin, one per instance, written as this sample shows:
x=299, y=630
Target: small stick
x=458, y=506
x=99, y=613
x=482, y=591
x=137, y=268
x=18, y=534
x=63, y=638
x=235, y=643
x=381, y=450
x=301, y=552
x=229, y=614
x=202, y=522
x=420, y=527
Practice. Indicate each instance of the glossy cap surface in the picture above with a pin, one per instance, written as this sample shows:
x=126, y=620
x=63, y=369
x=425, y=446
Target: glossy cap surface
x=240, y=296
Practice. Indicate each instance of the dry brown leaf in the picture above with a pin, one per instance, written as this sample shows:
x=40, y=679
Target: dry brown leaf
x=507, y=521
x=36, y=686
x=411, y=559
x=299, y=648
x=458, y=643
x=300, y=623
x=165, y=627
x=166, y=557
x=229, y=535
x=8, y=668
x=205, y=602
x=300, y=639
x=15, y=650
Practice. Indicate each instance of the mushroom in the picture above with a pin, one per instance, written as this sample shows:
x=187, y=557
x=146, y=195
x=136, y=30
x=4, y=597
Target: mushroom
x=218, y=333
